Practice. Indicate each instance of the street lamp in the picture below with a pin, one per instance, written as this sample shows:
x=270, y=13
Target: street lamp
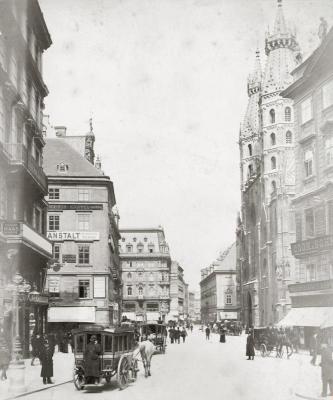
x=21, y=288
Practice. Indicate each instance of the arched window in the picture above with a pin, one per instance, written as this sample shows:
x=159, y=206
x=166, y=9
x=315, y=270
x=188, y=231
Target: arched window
x=250, y=169
x=250, y=149
x=272, y=116
x=273, y=163
x=273, y=139
x=129, y=276
x=289, y=137
x=287, y=114
x=140, y=290
x=273, y=187
x=129, y=291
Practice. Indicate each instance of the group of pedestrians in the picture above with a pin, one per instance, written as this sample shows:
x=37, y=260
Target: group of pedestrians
x=176, y=332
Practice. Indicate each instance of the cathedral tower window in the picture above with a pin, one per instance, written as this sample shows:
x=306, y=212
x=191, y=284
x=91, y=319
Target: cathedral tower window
x=273, y=163
x=273, y=139
x=250, y=149
x=250, y=169
x=287, y=114
x=272, y=116
x=289, y=137
x=273, y=187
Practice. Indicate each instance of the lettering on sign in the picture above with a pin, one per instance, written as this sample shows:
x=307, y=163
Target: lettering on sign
x=76, y=207
x=75, y=236
x=69, y=258
x=13, y=228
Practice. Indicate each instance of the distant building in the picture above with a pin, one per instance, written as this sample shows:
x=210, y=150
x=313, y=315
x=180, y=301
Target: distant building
x=24, y=249
x=191, y=305
x=219, y=289
x=178, y=293
x=145, y=264
x=312, y=92
x=197, y=307
x=84, y=284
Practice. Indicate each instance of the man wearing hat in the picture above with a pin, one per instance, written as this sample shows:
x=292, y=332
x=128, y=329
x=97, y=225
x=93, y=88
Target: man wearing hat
x=91, y=360
x=326, y=369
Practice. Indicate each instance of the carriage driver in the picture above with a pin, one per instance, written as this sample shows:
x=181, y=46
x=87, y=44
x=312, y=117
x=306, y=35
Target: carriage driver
x=91, y=360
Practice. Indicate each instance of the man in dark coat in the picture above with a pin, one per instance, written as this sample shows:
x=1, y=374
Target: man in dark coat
x=45, y=355
x=222, y=334
x=326, y=369
x=207, y=330
x=250, y=346
x=177, y=335
x=91, y=360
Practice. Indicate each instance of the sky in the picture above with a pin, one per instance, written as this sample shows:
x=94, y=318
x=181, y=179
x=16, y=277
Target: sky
x=165, y=84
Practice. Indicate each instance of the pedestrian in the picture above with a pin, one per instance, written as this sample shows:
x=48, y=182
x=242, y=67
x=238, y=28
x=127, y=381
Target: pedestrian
x=46, y=358
x=36, y=342
x=222, y=334
x=4, y=358
x=172, y=335
x=250, y=346
x=326, y=369
x=177, y=335
x=314, y=347
x=191, y=327
x=207, y=330
x=183, y=334
x=91, y=360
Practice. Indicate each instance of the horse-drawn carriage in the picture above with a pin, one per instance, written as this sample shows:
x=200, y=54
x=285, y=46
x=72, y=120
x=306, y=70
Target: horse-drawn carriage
x=115, y=358
x=156, y=333
x=266, y=341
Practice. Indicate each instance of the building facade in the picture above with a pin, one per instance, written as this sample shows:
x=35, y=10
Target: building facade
x=84, y=284
x=266, y=229
x=312, y=93
x=191, y=305
x=178, y=289
x=24, y=249
x=145, y=264
x=218, y=287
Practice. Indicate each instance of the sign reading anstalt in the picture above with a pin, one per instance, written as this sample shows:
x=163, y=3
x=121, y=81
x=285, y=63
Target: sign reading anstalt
x=75, y=236
x=75, y=206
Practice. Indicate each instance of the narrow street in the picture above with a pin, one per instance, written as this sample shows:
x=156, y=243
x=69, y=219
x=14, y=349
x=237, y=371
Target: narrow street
x=200, y=368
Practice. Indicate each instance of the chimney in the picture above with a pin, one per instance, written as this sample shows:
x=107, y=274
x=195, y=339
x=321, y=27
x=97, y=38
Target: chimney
x=60, y=131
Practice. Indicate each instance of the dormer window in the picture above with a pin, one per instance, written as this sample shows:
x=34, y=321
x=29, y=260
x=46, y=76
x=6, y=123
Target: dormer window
x=62, y=167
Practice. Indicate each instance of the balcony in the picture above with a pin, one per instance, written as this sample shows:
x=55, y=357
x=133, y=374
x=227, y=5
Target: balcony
x=19, y=155
x=311, y=286
x=19, y=232
x=305, y=247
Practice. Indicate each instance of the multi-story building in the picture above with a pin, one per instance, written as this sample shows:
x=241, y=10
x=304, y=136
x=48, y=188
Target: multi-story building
x=177, y=293
x=191, y=305
x=85, y=283
x=197, y=307
x=24, y=248
x=218, y=288
x=145, y=265
x=266, y=145
x=312, y=92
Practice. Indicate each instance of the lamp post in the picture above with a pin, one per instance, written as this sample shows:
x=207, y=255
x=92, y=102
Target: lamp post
x=21, y=289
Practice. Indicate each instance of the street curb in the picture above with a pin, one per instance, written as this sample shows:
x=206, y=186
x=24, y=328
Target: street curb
x=37, y=390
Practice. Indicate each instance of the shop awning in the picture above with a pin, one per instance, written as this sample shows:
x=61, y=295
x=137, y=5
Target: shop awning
x=307, y=316
x=71, y=314
x=328, y=323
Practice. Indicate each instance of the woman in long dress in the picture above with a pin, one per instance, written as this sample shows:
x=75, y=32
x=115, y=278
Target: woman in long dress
x=250, y=346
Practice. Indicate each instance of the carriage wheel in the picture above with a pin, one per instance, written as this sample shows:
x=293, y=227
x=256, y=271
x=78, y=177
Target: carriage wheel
x=263, y=350
x=78, y=378
x=123, y=372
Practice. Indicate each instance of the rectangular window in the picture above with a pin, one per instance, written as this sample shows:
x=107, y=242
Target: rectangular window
x=84, y=289
x=306, y=110
x=83, y=194
x=320, y=222
x=84, y=254
x=309, y=223
x=228, y=299
x=54, y=222
x=310, y=272
x=298, y=222
x=328, y=94
x=99, y=287
x=83, y=222
x=54, y=194
x=330, y=217
x=56, y=252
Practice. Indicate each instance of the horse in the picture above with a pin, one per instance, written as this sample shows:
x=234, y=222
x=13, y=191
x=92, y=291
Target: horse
x=146, y=349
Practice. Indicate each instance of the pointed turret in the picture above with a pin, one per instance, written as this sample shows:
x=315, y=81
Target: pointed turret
x=280, y=25
x=89, y=145
x=254, y=79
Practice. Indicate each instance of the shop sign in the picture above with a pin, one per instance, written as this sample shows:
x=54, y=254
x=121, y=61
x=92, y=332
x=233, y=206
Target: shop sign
x=76, y=207
x=53, y=284
x=13, y=228
x=69, y=258
x=38, y=298
x=75, y=236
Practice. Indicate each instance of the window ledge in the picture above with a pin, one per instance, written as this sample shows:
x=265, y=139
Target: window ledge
x=327, y=109
x=306, y=138
x=83, y=265
x=306, y=123
x=309, y=179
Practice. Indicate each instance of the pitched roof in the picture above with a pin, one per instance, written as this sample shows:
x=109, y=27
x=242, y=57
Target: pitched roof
x=57, y=151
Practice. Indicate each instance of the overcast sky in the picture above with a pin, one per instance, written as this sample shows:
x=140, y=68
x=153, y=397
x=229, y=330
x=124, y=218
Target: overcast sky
x=165, y=83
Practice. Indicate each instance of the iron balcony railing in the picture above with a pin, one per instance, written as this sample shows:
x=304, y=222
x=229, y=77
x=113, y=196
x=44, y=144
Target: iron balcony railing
x=311, y=286
x=19, y=154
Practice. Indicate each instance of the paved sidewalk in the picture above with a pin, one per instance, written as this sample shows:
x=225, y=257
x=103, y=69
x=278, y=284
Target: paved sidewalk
x=62, y=371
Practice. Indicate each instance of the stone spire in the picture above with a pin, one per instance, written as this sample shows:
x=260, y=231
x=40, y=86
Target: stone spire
x=89, y=144
x=280, y=26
